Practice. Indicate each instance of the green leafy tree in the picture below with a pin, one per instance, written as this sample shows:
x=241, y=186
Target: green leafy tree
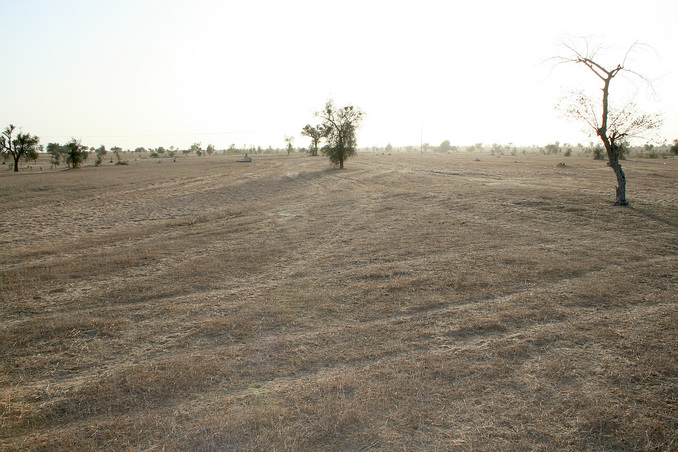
x=210, y=149
x=341, y=138
x=57, y=152
x=316, y=134
x=32, y=154
x=24, y=145
x=76, y=153
x=614, y=126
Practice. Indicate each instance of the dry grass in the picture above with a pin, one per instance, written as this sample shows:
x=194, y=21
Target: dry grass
x=436, y=302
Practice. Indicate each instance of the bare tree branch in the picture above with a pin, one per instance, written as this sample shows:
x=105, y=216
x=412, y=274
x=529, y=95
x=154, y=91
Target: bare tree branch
x=615, y=125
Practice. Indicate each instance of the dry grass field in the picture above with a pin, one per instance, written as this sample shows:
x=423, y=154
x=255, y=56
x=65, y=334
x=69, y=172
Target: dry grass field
x=408, y=302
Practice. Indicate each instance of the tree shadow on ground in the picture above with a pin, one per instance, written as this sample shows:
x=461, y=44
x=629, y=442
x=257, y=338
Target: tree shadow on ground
x=654, y=217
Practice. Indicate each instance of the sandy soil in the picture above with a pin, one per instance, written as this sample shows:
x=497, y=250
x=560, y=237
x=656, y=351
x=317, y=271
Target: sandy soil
x=408, y=302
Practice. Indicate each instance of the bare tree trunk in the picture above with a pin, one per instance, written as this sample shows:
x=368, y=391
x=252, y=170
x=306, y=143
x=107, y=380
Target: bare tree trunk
x=621, y=184
x=611, y=144
x=16, y=164
x=613, y=161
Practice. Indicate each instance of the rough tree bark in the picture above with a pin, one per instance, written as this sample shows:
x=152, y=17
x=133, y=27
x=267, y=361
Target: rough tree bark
x=610, y=141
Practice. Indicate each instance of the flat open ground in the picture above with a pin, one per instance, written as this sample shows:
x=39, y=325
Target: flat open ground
x=408, y=302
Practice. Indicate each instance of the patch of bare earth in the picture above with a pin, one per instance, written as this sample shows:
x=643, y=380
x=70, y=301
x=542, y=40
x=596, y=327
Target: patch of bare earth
x=408, y=302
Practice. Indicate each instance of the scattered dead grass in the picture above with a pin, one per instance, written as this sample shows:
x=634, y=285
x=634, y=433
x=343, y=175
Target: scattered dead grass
x=435, y=302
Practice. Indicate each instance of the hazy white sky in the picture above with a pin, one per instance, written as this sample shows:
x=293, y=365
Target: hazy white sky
x=169, y=72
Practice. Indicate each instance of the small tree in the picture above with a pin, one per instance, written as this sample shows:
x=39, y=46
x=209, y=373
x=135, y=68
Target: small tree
x=342, y=124
x=57, y=152
x=552, y=148
x=316, y=134
x=612, y=125
x=32, y=154
x=101, y=153
x=444, y=146
x=497, y=149
x=117, y=150
x=24, y=145
x=478, y=147
x=76, y=153
x=210, y=149
x=289, y=147
x=197, y=148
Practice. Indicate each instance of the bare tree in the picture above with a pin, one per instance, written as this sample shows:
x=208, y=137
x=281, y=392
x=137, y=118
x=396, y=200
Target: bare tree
x=612, y=125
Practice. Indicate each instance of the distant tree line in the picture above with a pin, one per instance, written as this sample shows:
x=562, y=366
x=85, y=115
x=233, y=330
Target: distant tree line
x=19, y=146
x=593, y=150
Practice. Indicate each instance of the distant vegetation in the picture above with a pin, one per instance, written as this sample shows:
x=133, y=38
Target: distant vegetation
x=25, y=147
x=335, y=136
x=61, y=155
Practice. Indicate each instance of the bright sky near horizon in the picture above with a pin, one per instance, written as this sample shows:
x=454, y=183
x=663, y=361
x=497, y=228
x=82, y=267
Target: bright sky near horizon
x=166, y=73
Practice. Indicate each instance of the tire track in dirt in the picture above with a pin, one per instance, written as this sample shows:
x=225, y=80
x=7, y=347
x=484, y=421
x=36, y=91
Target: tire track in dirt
x=435, y=343
x=444, y=342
